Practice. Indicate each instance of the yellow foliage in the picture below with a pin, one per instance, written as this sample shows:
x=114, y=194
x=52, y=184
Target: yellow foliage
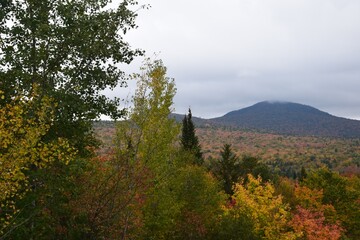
x=23, y=123
x=258, y=202
x=150, y=133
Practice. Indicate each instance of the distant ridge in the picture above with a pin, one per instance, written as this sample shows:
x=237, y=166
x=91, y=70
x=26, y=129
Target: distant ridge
x=287, y=118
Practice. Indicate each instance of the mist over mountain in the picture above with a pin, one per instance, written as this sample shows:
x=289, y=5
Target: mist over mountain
x=286, y=118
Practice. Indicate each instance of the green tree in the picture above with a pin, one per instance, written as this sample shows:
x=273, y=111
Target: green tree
x=251, y=165
x=198, y=194
x=70, y=50
x=187, y=206
x=227, y=169
x=235, y=226
x=189, y=140
x=153, y=134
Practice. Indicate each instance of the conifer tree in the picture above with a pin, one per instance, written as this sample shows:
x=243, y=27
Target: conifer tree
x=189, y=140
x=303, y=174
x=227, y=169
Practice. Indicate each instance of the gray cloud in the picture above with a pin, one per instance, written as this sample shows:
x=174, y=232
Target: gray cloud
x=225, y=55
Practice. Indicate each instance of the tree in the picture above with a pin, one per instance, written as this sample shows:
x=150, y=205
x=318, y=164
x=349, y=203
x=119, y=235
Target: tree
x=189, y=140
x=186, y=207
x=110, y=200
x=303, y=174
x=138, y=171
x=227, y=169
x=150, y=131
x=311, y=225
x=23, y=124
x=70, y=50
x=198, y=194
x=232, y=225
x=257, y=201
x=251, y=165
x=339, y=192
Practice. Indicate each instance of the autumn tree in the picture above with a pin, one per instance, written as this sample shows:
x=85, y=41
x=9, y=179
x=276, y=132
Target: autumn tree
x=109, y=200
x=149, y=136
x=67, y=52
x=312, y=225
x=189, y=140
x=71, y=50
x=179, y=200
x=150, y=132
x=341, y=193
x=23, y=124
x=268, y=213
x=119, y=192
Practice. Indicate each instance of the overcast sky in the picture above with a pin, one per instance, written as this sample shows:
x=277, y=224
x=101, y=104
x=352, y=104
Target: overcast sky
x=230, y=54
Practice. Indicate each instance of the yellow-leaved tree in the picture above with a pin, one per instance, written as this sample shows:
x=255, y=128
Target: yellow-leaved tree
x=143, y=159
x=23, y=123
x=257, y=202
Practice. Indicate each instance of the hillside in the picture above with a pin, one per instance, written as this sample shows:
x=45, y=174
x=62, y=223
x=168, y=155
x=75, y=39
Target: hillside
x=282, y=118
x=290, y=119
x=286, y=154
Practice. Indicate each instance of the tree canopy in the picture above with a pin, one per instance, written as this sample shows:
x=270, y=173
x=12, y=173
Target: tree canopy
x=71, y=50
x=23, y=123
x=227, y=168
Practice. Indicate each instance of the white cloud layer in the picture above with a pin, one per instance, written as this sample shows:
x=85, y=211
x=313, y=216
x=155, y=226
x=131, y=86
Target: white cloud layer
x=225, y=55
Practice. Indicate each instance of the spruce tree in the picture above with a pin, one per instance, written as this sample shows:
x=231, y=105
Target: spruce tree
x=189, y=140
x=227, y=169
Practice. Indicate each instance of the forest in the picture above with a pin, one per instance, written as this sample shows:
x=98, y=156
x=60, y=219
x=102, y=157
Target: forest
x=151, y=177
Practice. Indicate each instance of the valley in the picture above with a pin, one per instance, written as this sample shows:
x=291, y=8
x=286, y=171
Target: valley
x=285, y=154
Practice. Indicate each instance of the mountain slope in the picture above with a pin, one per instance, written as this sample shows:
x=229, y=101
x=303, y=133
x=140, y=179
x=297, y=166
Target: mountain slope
x=290, y=118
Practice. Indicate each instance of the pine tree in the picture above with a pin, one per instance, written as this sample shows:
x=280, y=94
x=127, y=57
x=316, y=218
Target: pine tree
x=228, y=169
x=189, y=140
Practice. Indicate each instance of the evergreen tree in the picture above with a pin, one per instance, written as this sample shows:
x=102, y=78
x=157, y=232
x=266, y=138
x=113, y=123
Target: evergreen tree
x=251, y=165
x=227, y=169
x=189, y=140
x=303, y=174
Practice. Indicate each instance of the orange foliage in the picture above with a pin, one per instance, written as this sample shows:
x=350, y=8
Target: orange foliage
x=312, y=225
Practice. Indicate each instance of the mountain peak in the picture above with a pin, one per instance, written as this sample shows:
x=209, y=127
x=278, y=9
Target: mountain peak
x=290, y=118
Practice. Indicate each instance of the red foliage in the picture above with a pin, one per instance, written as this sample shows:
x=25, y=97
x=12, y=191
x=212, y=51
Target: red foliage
x=312, y=225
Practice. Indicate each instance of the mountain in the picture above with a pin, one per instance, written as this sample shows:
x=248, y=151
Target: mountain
x=290, y=118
